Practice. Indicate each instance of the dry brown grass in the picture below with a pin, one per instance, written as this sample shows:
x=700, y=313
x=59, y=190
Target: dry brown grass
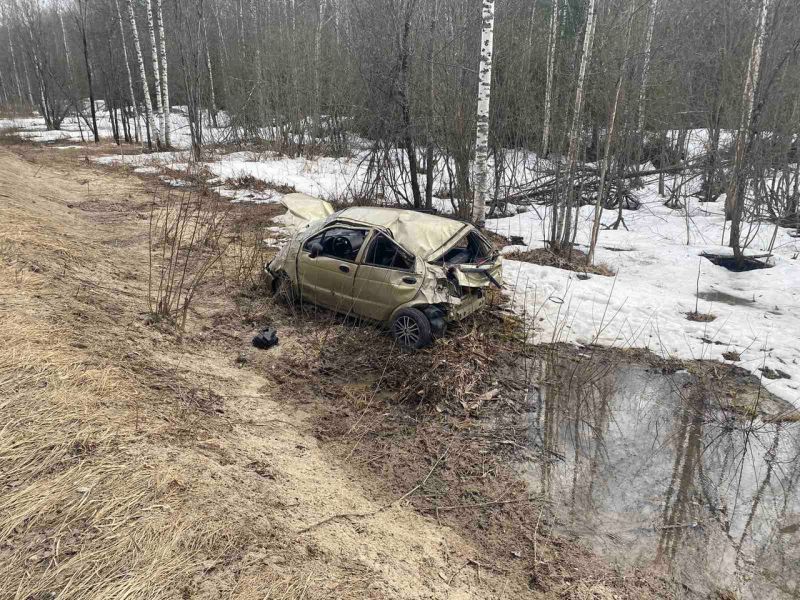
x=442, y=428
x=699, y=317
x=94, y=502
x=732, y=356
x=137, y=465
x=575, y=260
x=249, y=182
x=87, y=510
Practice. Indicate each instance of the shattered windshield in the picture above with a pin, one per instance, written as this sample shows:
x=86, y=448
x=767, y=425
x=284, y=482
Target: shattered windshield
x=469, y=250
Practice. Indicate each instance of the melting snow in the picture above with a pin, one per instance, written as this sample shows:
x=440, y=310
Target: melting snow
x=656, y=263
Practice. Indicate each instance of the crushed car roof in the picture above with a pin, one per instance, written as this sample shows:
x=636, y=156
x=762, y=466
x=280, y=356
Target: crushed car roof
x=420, y=233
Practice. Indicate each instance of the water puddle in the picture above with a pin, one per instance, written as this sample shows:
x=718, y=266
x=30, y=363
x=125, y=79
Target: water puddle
x=648, y=469
x=722, y=297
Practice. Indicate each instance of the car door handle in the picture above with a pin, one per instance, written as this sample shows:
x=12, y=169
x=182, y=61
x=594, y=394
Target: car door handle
x=409, y=280
x=344, y=268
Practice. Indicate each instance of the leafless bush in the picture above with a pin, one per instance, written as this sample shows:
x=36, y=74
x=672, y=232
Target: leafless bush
x=184, y=244
x=572, y=261
x=244, y=181
x=245, y=257
x=698, y=317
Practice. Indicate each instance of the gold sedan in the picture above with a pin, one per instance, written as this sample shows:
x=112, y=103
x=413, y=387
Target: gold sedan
x=410, y=271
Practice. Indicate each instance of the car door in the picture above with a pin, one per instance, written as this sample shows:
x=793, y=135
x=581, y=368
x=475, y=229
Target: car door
x=328, y=278
x=387, y=277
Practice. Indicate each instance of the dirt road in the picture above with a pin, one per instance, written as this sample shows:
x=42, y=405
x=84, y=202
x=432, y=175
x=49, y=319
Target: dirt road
x=137, y=464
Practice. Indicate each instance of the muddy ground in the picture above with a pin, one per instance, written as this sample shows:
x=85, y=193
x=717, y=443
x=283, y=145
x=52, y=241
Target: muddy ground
x=138, y=460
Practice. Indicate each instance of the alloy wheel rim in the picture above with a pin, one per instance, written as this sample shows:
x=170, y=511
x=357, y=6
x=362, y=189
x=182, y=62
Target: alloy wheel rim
x=407, y=331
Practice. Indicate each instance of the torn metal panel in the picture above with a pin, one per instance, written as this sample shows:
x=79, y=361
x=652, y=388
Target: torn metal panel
x=304, y=209
x=420, y=233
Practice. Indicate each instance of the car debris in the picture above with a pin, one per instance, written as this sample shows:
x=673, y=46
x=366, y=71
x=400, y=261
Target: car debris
x=410, y=271
x=266, y=339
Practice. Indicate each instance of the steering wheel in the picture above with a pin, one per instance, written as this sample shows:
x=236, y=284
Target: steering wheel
x=342, y=247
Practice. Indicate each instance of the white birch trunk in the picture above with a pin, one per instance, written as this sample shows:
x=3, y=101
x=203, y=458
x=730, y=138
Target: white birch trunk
x=484, y=105
x=3, y=93
x=14, y=62
x=137, y=126
x=165, y=105
x=748, y=103
x=531, y=24
x=213, y=96
x=612, y=123
x=240, y=24
x=156, y=69
x=148, y=106
x=25, y=70
x=648, y=48
x=223, y=44
x=577, y=120
x=551, y=61
x=64, y=39
x=37, y=67
x=337, y=16
x=317, y=68
x=255, y=39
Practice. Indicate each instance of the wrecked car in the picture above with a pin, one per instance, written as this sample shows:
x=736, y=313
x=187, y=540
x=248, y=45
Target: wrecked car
x=409, y=271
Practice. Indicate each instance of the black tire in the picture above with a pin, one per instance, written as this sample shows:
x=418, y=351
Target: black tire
x=282, y=288
x=411, y=329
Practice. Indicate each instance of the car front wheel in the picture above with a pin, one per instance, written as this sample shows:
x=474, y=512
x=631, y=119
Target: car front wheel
x=282, y=288
x=411, y=329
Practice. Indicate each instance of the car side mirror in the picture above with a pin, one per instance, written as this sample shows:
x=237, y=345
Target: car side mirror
x=315, y=250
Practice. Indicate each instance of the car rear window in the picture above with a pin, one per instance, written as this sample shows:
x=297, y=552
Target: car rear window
x=469, y=250
x=383, y=252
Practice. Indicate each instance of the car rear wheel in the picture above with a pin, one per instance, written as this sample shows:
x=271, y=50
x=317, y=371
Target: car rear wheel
x=411, y=329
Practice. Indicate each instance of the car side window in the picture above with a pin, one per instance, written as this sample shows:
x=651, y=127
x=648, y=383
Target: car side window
x=339, y=242
x=383, y=252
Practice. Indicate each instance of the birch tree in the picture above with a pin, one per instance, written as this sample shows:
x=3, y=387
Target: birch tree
x=648, y=49
x=64, y=40
x=551, y=64
x=429, y=142
x=612, y=124
x=212, y=94
x=483, y=116
x=156, y=72
x=404, y=99
x=563, y=237
x=165, y=105
x=318, y=67
x=734, y=203
x=137, y=126
x=148, y=106
x=81, y=18
x=12, y=55
x=31, y=17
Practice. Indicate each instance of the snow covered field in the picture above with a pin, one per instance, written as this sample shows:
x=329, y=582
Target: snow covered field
x=656, y=263
x=645, y=304
x=74, y=130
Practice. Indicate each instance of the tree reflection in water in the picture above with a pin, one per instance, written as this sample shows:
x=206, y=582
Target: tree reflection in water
x=650, y=468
